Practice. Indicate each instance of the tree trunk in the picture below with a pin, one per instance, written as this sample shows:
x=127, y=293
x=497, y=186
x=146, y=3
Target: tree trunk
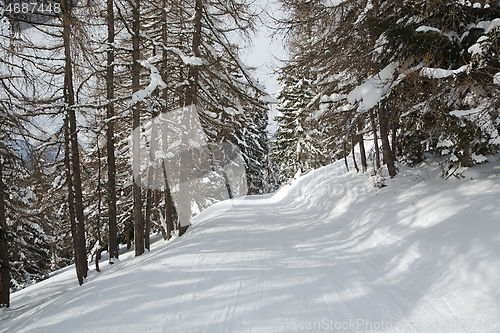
x=375, y=139
x=4, y=248
x=345, y=156
x=71, y=199
x=110, y=133
x=149, y=210
x=185, y=162
x=129, y=233
x=136, y=149
x=69, y=97
x=170, y=210
x=99, y=210
x=153, y=169
x=362, y=150
x=465, y=159
x=384, y=136
x=192, y=94
x=228, y=186
x=191, y=100
x=394, y=145
x=157, y=213
x=353, y=144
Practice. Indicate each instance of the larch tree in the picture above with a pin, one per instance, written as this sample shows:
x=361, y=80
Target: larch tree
x=84, y=70
x=4, y=248
x=28, y=248
x=136, y=117
x=75, y=195
x=110, y=131
x=201, y=67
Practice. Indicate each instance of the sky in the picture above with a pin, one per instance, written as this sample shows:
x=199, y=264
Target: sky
x=265, y=54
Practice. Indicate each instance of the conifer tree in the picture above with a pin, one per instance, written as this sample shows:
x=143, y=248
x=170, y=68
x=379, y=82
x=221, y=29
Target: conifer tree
x=422, y=73
x=295, y=150
x=110, y=132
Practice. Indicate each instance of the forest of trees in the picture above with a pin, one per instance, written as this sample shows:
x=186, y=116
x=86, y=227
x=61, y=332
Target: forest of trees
x=400, y=82
x=78, y=78
x=88, y=86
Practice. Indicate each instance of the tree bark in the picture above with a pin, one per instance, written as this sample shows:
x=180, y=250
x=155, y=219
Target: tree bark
x=362, y=150
x=71, y=200
x=185, y=162
x=191, y=100
x=153, y=170
x=147, y=231
x=394, y=146
x=99, y=210
x=110, y=133
x=353, y=144
x=465, y=159
x=69, y=98
x=384, y=136
x=345, y=156
x=192, y=94
x=170, y=210
x=136, y=149
x=375, y=139
x=4, y=247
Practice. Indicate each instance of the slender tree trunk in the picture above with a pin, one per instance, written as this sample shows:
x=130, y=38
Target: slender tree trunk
x=71, y=199
x=496, y=120
x=4, y=247
x=170, y=210
x=158, y=215
x=353, y=144
x=465, y=159
x=375, y=140
x=192, y=94
x=153, y=169
x=149, y=210
x=191, y=99
x=362, y=150
x=345, y=156
x=99, y=209
x=129, y=233
x=394, y=144
x=136, y=149
x=69, y=97
x=110, y=133
x=185, y=162
x=384, y=135
x=228, y=186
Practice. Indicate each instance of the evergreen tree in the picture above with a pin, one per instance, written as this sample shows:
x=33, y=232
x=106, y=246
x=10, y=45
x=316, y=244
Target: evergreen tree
x=295, y=150
x=422, y=73
x=444, y=101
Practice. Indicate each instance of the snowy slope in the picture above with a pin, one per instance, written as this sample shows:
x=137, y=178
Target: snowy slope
x=330, y=252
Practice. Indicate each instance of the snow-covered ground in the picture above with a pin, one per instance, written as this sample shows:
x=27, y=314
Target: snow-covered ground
x=330, y=252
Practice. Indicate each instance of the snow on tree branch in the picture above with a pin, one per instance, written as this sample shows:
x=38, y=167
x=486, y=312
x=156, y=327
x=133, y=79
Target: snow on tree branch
x=156, y=81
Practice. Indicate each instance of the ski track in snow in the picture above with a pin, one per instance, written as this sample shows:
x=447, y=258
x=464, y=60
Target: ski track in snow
x=421, y=253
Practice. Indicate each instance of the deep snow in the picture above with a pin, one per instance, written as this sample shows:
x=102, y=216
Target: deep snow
x=330, y=252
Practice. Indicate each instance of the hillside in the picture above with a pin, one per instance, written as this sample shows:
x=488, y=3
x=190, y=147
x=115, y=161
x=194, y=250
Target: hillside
x=329, y=252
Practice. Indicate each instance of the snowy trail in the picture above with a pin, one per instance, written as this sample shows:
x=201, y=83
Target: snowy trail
x=420, y=255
